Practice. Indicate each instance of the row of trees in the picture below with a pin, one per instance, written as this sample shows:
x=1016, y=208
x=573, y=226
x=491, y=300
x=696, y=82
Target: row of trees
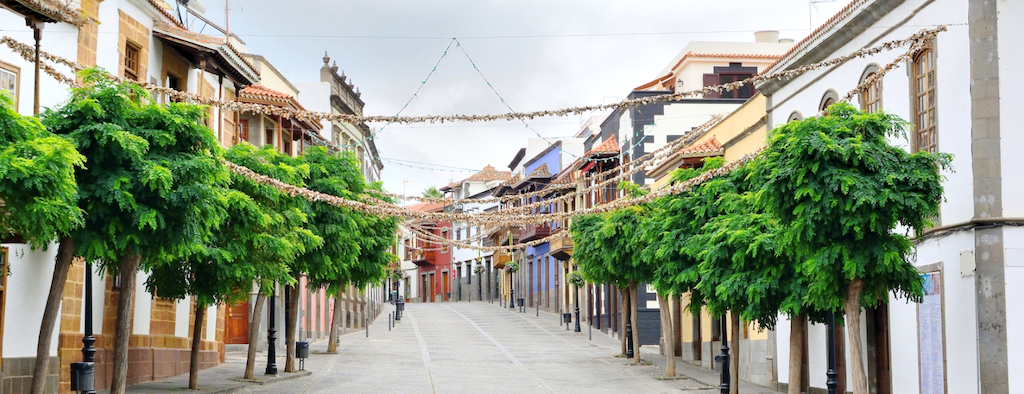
x=116, y=179
x=807, y=227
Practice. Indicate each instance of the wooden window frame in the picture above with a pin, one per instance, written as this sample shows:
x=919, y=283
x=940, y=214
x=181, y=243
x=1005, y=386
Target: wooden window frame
x=17, y=80
x=916, y=95
x=830, y=97
x=444, y=246
x=243, y=130
x=871, y=96
x=131, y=48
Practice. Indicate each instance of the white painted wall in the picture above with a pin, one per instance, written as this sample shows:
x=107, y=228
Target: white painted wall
x=1013, y=238
x=60, y=39
x=182, y=310
x=28, y=283
x=143, y=306
x=1010, y=81
x=211, y=323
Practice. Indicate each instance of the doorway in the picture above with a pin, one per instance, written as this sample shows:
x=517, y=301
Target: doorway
x=879, y=363
x=446, y=289
x=237, y=330
x=433, y=286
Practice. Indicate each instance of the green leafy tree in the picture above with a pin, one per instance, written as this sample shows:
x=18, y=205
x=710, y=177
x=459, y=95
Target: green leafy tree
x=673, y=220
x=432, y=192
x=151, y=188
x=844, y=189
x=608, y=249
x=39, y=204
x=337, y=174
x=262, y=232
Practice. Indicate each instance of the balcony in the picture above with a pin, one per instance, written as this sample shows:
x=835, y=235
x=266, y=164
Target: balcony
x=532, y=232
x=510, y=235
x=500, y=259
x=561, y=247
x=424, y=257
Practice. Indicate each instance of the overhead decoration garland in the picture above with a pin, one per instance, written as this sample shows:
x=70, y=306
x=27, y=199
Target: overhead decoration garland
x=26, y=51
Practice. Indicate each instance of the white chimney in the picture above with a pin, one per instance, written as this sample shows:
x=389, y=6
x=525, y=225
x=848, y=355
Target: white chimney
x=766, y=36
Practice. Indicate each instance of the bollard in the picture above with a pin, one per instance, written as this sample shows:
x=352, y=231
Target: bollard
x=389, y=321
x=590, y=331
x=366, y=322
x=538, y=308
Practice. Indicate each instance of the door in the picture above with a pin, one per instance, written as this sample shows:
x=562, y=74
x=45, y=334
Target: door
x=433, y=288
x=698, y=340
x=424, y=290
x=237, y=330
x=447, y=288
x=879, y=364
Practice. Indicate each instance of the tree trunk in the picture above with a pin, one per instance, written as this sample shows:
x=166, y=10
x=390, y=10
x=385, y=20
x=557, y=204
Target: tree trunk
x=859, y=377
x=734, y=359
x=65, y=254
x=291, y=317
x=624, y=315
x=668, y=335
x=197, y=344
x=129, y=266
x=254, y=328
x=634, y=318
x=796, y=353
x=332, y=341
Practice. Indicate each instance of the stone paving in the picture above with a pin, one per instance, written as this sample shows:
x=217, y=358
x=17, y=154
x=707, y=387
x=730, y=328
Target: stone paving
x=482, y=348
x=474, y=347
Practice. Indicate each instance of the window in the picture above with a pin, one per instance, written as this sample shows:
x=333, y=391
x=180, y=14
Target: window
x=9, y=78
x=871, y=96
x=923, y=87
x=830, y=97
x=796, y=115
x=243, y=130
x=269, y=136
x=458, y=234
x=444, y=246
x=131, y=61
x=733, y=73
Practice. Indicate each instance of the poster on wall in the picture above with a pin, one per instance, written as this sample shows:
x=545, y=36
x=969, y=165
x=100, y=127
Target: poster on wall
x=929, y=329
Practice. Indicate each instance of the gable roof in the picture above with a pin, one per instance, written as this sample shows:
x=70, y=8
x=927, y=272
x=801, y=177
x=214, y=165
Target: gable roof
x=806, y=42
x=708, y=148
x=489, y=173
x=538, y=174
x=609, y=146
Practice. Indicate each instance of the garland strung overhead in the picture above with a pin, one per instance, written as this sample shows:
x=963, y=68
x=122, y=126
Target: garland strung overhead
x=27, y=51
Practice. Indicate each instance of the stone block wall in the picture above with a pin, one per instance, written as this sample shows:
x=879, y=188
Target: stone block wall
x=17, y=375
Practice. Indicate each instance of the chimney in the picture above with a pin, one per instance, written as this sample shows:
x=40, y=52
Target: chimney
x=786, y=41
x=771, y=36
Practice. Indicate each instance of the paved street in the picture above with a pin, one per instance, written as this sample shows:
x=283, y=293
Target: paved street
x=479, y=348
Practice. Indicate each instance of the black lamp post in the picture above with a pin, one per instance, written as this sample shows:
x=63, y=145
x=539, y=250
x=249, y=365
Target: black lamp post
x=831, y=375
x=83, y=374
x=724, y=358
x=576, y=291
x=479, y=285
x=271, y=336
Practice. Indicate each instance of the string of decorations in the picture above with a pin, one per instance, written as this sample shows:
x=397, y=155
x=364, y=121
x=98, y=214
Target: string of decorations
x=317, y=116
x=58, y=11
x=689, y=138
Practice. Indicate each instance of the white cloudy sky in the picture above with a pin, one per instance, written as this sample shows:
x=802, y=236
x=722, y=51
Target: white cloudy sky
x=537, y=55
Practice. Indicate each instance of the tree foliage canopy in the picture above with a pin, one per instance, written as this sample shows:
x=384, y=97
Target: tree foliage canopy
x=151, y=184
x=38, y=189
x=844, y=189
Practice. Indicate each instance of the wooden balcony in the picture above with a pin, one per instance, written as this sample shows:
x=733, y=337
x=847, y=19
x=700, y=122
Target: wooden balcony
x=500, y=259
x=424, y=257
x=531, y=232
x=561, y=247
x=510, y=234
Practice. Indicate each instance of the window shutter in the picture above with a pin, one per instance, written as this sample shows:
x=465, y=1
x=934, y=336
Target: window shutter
x=711, y=80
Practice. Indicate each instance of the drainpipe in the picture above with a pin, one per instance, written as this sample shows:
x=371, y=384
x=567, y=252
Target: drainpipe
x=37, y=33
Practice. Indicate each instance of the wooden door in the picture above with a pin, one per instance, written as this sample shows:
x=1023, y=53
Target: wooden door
x=879, y=363
x=237, y=330
x=447, y=288
x=432, y=287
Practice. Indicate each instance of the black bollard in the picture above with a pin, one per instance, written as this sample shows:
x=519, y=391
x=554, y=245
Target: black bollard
x=629, y=340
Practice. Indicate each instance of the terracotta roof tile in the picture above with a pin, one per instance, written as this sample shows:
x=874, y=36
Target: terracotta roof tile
x=806, y=42
x=609, y=146
x=709, y=146
x=427, y=206
x=489, y=173
x=260, y=91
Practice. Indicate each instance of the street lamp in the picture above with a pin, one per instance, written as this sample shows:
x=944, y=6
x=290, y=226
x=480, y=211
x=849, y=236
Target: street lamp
x=576, y=291
x=83, y=374
x=724, y=358
x=831, y=375
x=271, y=335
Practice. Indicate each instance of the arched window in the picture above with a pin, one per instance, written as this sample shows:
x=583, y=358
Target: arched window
x=796, y=115
x=871, y=96
x=830, y=97
x=923, y=88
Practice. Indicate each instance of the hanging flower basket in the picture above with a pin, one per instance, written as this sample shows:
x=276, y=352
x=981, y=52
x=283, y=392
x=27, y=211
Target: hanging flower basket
x=575, y=278
x=511, y=267
x=479, y=269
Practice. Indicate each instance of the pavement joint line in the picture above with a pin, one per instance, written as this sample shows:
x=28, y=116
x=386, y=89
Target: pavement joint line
x=488, y=336
x=560, y=338
x=423, y=350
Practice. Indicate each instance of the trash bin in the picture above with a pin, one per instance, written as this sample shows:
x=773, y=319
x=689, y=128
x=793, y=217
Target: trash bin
x=567, y=318
x=83, y=377
x=301, y=349
x=520, y=301
x=399, y=306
